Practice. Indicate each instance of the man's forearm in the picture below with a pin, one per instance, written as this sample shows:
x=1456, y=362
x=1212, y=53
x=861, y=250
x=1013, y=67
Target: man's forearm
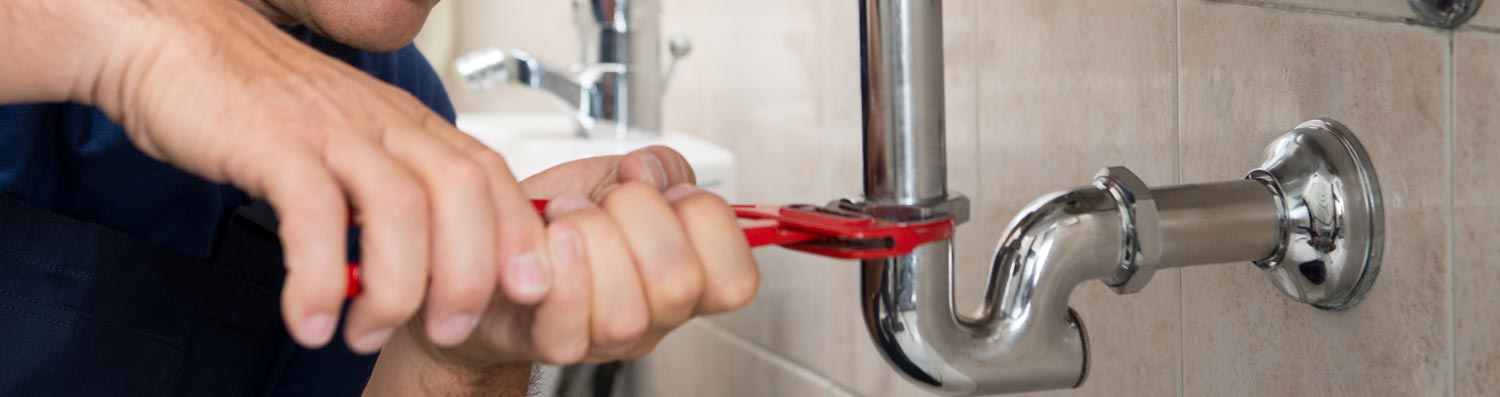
x=54, y=49
x=406, y=369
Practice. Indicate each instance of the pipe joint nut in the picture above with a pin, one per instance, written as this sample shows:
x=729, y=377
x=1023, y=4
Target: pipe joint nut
x=955, y=206
x=1141, y=251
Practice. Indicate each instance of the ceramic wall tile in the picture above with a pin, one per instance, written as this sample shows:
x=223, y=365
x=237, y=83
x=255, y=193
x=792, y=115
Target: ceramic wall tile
x=1067, y=88
x=700, y=359
x=1476, y=212
x=1247, y=75
x=1488, y=17
x=1384, y=9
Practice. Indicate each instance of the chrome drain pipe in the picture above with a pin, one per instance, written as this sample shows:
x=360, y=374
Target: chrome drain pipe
x=1310, y=216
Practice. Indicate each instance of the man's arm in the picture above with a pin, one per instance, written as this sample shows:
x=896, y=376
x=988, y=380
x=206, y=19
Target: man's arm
x=54, y=49
x=213, y=88
x=409, y=367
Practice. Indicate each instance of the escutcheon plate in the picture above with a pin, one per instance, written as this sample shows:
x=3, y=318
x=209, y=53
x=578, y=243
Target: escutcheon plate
x=1333, y=221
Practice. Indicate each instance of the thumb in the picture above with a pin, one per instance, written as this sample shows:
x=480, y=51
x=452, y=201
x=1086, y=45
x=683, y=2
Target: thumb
x=659, y=166
x=656, y=165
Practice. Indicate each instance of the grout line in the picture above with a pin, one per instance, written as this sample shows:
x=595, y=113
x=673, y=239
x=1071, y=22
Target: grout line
x=1452, y=364
x=1480, y=29
x=1177, y=178
x=775, y=359
x=1321, y=11
x=1412, y=20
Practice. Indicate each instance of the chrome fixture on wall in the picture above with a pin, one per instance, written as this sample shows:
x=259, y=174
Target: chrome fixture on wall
x=1309, y=216
x=615, y=91
x=1445, y=13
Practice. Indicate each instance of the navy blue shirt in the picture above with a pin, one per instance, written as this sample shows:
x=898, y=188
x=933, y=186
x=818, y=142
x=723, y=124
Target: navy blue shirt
x=72, y=160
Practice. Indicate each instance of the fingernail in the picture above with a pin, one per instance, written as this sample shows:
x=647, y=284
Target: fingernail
x=565, y=247
x=680, y=192
x=373, y=340
x=655, y=171
x=529, y=276
x=318, y=325
x=452, y=330
x=566, y=204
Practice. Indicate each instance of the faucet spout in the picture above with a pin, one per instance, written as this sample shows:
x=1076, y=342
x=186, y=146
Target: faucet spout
x=488, y=69
x=616, y=90
x=530, y=72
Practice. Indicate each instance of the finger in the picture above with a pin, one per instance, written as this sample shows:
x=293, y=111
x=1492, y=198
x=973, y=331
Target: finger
x=588, y=177
x=644, y=347
x=665, y=259
x=730, y=276
x=393, y=212
x=525, y=269
x=313, y=219
x=658, y=166
x=618, y=312
x=463, y=236
x=641, y=348
x=560, y=329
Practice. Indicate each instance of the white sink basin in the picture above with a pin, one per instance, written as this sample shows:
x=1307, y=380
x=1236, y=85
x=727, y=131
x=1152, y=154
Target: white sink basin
x=532, y=143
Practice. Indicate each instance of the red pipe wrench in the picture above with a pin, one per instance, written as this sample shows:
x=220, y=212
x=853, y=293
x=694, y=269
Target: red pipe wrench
x=830, y=232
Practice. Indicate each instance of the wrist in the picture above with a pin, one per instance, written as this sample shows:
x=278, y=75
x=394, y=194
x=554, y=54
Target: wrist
x=55, y=49
x=129, y=39
x=410, y=366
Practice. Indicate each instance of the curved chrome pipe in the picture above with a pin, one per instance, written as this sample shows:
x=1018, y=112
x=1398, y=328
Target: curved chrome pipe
x=1025, y=337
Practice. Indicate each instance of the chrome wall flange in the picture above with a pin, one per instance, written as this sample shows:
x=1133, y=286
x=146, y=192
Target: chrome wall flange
x=1445, y=13
x=1333, y=219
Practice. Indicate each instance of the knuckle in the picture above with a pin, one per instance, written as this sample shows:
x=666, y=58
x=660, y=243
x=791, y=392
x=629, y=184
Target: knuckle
x=563, y=352
x=703, y=204
x=620, y=330
x=734, y=295
x=405, y=197
x=643, y=349
x=488, y=158
x=463, y=172
x=680, y=292
x=629, y=192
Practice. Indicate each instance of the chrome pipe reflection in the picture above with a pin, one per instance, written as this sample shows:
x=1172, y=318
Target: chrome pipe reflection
x=901, y=49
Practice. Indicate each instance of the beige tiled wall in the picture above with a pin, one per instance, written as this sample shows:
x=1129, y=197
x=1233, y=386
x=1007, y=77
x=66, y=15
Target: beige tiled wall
x=1476, y=213
x=1041, y=94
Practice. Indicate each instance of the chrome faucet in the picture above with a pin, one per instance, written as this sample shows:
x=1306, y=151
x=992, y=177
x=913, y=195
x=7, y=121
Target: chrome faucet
x=1310, y=216
x=616, y=89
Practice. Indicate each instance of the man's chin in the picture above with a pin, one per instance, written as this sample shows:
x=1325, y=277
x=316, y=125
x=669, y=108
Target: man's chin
x=372, y=40
x=369, y=25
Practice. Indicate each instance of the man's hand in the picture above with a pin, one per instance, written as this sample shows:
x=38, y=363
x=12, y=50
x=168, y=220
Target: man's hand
x=213, y=88
x=631, y=263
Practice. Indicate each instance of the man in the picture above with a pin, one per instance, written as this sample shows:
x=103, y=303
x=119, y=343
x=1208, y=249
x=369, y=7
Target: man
x=137, y=127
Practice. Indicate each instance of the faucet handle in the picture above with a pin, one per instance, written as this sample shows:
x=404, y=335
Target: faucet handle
x=679, y=46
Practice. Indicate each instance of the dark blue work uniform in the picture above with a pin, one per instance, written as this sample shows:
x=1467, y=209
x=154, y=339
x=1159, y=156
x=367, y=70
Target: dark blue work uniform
x=123, y=276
